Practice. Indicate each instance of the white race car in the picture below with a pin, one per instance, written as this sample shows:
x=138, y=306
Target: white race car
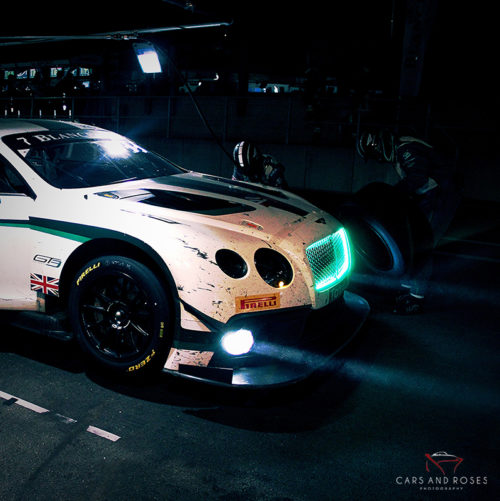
x=150, y=266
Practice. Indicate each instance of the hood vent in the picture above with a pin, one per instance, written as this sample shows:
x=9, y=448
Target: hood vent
x=191, y=202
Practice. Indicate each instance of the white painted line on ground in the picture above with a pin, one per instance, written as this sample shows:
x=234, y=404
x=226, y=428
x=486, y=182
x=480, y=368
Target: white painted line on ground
x=32, y=407
x=67, y=420
x=103, y=433
x=24, y=403
x=6, y=396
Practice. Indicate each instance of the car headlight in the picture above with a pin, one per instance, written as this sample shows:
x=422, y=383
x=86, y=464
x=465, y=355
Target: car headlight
x=237, y=342
x=231, y=263
x=273, y=267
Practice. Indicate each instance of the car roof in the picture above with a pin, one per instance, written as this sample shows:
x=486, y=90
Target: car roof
x=16, y=126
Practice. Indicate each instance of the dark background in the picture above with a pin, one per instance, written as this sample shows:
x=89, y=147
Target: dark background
x=416, y=54
x=407, y=386
x=361, y=43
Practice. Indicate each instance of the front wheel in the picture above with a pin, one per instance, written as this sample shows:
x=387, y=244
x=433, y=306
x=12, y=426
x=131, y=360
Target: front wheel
x=121, y=315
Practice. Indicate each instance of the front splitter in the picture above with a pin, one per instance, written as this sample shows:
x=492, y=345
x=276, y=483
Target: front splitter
x=281, y=364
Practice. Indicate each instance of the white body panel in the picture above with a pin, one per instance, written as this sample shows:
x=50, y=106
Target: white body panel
x=16, y=252
x=185, y=241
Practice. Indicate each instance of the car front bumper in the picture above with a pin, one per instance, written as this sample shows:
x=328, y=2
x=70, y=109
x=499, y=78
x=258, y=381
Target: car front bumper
x=290, y=345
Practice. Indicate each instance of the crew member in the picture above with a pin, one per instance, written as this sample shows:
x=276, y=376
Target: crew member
x=251, y=165
x=428, y=180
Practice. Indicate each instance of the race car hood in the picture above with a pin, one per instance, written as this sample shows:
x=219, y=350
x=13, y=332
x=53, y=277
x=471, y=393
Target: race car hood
x=249, y=205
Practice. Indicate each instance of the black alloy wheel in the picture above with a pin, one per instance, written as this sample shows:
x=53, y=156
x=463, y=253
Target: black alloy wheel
x=121, y=315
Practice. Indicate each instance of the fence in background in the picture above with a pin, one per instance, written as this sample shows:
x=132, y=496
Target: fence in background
x=277, y=119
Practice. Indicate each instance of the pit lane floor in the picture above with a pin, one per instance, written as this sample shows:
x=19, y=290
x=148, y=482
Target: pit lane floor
x=404, y=388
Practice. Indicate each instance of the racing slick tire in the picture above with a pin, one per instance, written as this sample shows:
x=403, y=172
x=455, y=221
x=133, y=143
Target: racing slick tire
x=380, y=222
x=376, y=248
x=121, y=315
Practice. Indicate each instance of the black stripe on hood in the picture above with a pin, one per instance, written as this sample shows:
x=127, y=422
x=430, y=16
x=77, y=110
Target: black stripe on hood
x=230, y=189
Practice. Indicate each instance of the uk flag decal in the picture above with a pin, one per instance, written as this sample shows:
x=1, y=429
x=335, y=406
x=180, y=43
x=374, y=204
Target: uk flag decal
x=46, y=285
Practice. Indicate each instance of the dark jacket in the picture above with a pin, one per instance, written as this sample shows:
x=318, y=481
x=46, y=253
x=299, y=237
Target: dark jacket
x=424, y=169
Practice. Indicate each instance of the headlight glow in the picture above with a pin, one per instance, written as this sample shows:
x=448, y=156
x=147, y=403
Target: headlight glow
x=237, y=342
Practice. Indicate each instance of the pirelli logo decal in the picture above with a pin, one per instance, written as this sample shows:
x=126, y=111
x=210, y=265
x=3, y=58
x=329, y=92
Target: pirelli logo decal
x=257, y=303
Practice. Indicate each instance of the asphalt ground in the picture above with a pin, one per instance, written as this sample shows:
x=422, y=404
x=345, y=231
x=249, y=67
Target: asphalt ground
x=407, y=386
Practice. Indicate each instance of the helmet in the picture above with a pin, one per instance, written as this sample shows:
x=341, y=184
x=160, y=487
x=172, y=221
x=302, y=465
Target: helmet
x=245, y=156
x=377, y=146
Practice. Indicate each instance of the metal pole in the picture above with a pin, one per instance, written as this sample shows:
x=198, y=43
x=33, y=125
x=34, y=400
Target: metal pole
x=289, y=120
x=118, y=114
x=226, y=112
x=169, y=107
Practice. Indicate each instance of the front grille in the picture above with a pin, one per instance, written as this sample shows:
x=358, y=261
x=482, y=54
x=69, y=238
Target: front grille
x=329, y=259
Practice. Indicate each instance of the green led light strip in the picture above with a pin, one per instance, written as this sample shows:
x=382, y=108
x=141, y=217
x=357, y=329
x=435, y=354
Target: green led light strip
x=330, y=259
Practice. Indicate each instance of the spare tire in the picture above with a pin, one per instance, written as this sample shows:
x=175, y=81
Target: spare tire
x=376, y=248
x=386, y=228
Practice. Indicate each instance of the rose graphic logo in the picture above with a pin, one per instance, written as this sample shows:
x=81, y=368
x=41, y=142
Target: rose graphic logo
x=443, y=461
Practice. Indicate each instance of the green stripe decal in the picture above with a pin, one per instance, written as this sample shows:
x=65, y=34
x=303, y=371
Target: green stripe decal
x=44, y=229
x=15, y=225
x=62, y=234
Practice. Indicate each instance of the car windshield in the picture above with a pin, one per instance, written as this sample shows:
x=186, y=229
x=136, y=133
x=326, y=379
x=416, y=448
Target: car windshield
x=88, y=158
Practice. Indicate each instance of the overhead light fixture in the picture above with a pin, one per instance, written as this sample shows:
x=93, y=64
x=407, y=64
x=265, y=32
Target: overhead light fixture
x=147, y=57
